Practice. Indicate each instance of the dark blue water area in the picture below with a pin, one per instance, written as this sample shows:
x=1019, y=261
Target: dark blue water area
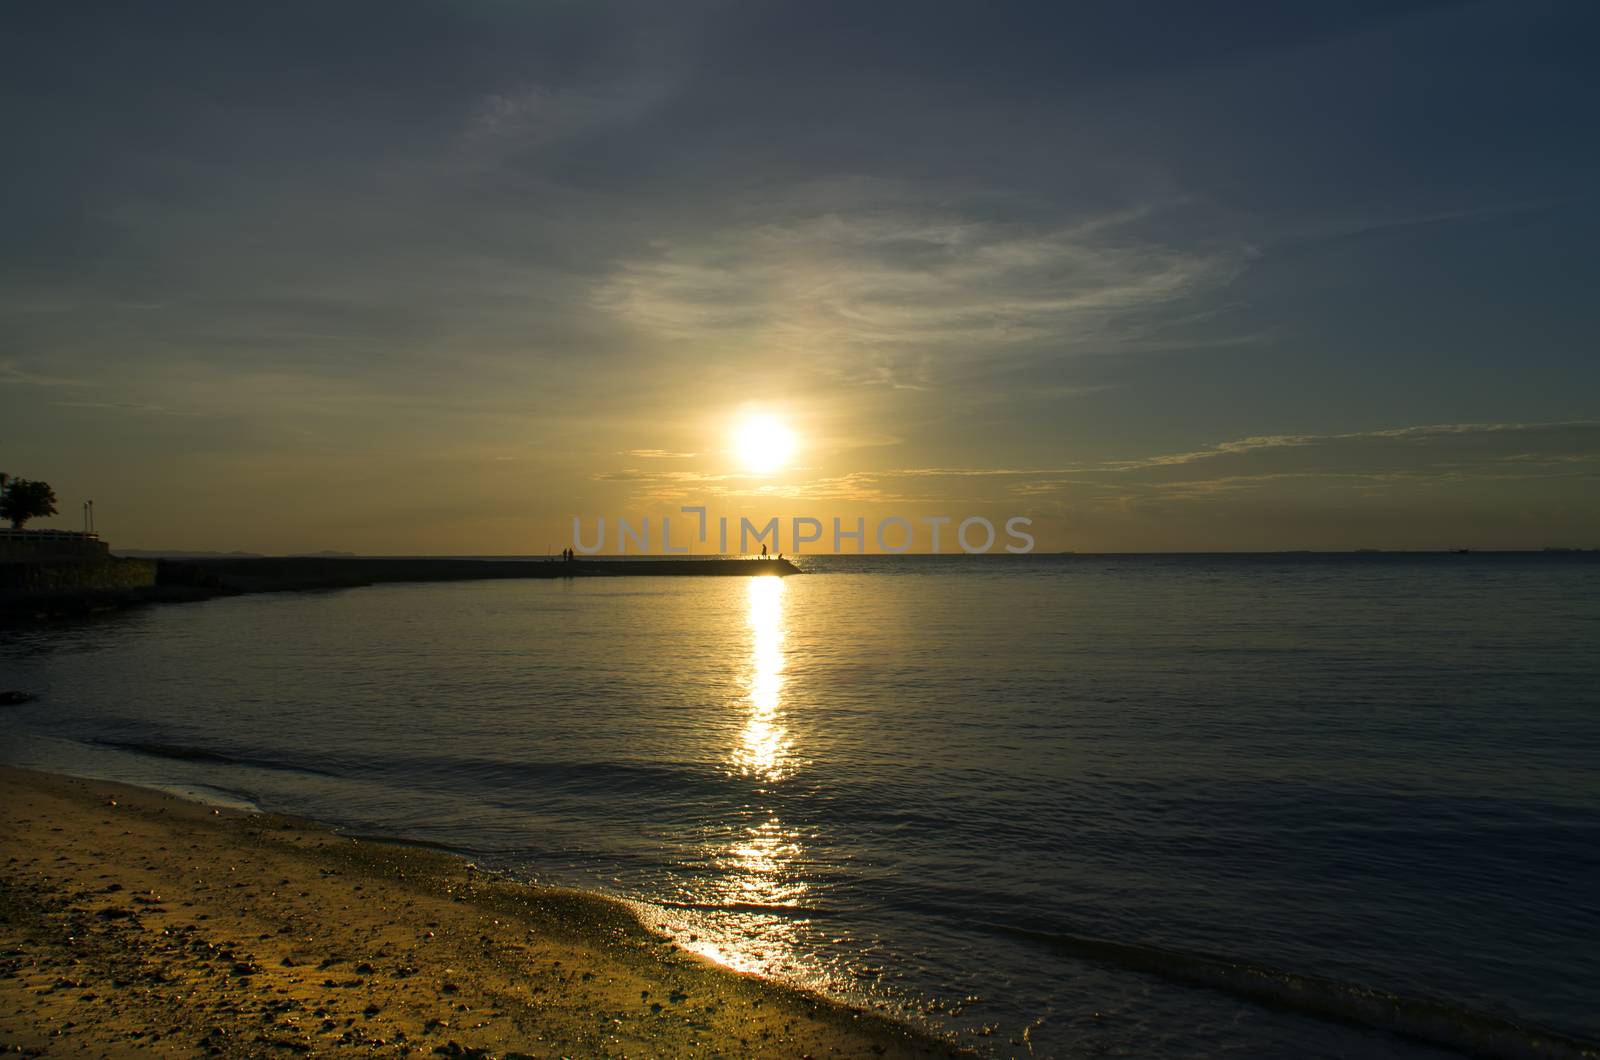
x=1297, y=805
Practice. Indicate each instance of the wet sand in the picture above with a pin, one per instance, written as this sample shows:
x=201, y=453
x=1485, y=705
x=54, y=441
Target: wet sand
x=133, y=922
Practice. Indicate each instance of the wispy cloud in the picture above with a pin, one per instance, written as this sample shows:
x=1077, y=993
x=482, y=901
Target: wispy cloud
x=890, y=294
x=12, y=373
x=125, y=406
x=664, y=486
x=1409, y=458
x=977, y=472
x=1430, y=434
x=631, y=474
x=1366, y=460
x=527, y=116
x=1370, y=461
x=1363, y=226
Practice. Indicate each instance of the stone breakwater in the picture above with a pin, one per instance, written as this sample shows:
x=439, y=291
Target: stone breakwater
x=291, y=573
x=45, y=581
x=51, y=546
x=47, y=590
x=58, y=571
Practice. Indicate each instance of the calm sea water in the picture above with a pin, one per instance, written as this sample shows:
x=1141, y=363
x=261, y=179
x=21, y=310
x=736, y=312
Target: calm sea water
x=1053, y=795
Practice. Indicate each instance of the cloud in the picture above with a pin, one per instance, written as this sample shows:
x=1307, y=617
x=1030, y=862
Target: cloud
x=631, y=474
x=1411, y=457
x=124, y=406
x=531, y=116
x=892, y=294
x=977, y=472
x=1476, y=457
x=661, y=486
x=858, y=486
x=11, y=373
x=1444, y=437
x=1352, y=228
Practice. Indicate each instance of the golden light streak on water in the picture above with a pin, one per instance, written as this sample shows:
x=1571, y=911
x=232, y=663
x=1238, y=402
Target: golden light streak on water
x=764, y=750
x=757, y=882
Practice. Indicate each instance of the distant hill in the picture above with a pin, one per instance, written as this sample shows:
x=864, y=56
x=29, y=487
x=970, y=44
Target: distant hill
x=162, y=553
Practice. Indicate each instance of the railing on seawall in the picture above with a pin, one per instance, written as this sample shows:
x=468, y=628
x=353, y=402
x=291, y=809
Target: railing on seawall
x=8, y=534
x=51, y=546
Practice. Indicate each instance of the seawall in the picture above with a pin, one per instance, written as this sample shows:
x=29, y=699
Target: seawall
x=39, y=590
x=292, y=573
x=50, y=546
x=104, y=576
x=50, y=572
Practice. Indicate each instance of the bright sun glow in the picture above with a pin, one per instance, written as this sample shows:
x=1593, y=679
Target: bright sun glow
x=763, y=444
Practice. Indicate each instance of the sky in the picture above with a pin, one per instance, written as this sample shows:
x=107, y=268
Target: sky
x=435, y=278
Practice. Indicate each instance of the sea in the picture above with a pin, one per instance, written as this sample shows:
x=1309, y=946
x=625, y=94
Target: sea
x=1298, y=805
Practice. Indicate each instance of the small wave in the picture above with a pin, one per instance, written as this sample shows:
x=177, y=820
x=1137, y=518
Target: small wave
x=182, y=753
x=404, y=841
x=1458, y=1027
x=495, y=780
x=797, y=911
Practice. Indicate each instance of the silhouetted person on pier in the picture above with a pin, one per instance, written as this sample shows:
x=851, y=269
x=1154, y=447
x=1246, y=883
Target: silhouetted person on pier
x=763, y=551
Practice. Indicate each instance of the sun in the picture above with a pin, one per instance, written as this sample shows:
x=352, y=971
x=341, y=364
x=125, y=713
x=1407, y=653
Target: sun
x=763, y=444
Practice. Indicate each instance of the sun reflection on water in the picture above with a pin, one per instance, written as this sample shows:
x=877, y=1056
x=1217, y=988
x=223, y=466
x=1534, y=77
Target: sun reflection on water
x=755, y=885
x=764, y=751
x=757, y=863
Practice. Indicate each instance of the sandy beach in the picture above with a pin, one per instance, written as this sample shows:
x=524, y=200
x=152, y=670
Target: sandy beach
x=135, y=922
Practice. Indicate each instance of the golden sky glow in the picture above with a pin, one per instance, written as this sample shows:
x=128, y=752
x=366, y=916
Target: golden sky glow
x=448, y=314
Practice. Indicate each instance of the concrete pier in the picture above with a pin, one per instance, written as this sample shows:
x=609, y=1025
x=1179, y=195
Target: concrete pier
x=289, y=573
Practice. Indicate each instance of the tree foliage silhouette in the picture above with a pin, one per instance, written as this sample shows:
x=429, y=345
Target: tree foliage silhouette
x=26, y=499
